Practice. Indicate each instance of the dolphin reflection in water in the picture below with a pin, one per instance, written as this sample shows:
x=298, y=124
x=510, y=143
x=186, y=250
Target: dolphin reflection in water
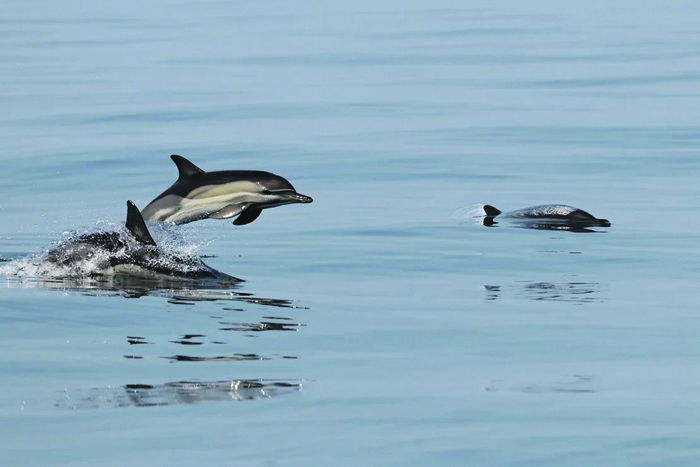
x=178, y=393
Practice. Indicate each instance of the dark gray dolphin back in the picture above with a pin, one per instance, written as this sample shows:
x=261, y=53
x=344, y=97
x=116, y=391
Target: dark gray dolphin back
x=136, y=225
x=551, y=211
x=187, y=169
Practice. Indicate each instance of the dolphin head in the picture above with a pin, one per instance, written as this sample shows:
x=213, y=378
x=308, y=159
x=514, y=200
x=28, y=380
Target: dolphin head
x=253, y=191
x=583, y=217
x=277, y=191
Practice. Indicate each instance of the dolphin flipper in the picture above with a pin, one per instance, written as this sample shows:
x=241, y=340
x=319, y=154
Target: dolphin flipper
x=136, y=225
x=229, y=211
x=248, y=216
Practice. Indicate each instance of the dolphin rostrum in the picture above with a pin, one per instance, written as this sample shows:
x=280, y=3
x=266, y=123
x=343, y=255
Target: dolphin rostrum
x=132, y=252
x=547, y=215
x=220, y=195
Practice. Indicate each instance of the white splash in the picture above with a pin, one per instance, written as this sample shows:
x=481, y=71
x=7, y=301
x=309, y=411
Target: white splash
x=180, y=253
x=474, y=213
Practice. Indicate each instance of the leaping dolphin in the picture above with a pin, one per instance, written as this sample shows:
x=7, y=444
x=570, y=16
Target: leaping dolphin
x=132, y=253
x=553, y=216
x=220, y=195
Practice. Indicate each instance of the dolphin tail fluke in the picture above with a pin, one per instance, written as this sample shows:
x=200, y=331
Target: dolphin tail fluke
x=491, y=211
x=185, y=167
x=136, y=225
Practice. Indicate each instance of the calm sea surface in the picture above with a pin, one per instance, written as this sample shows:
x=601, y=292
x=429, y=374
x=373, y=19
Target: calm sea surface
x=380, y=325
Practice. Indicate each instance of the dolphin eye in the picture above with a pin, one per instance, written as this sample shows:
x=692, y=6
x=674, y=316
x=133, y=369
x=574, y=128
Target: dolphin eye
x=266, y=192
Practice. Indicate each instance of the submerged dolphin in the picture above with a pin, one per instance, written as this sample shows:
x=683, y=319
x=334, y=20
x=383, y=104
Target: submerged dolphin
x=220, y=195
x=134, y=253
x=548, y=216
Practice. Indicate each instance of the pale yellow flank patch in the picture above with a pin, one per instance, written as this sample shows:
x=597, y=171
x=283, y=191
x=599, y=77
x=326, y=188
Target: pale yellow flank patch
x=228, y=189
x=206, y=201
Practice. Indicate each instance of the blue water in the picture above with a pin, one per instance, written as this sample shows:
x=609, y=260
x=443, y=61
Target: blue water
x=379, y=325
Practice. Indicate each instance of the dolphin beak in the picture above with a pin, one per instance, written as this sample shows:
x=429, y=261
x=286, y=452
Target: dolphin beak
x=299, y=198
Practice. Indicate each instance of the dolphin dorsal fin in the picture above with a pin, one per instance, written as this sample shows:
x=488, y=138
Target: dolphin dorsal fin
x=185, y=167
x=136, y=225
x=491, y=211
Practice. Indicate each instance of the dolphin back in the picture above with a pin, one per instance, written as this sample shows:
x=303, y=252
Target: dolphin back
x=547, y=211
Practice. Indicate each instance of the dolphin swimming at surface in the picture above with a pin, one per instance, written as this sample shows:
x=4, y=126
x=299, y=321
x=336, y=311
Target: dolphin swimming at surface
x=547, y=216
x=220, y=195
x=133, y=253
